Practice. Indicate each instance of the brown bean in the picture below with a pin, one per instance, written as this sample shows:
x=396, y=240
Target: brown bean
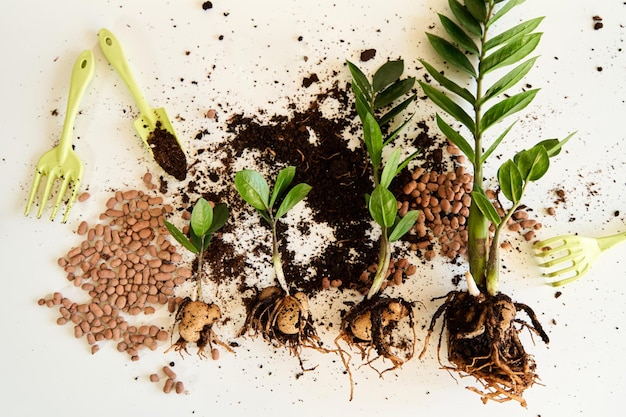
x=154, y=378
x=179, y=387
x=215, y=354
x=169, y=384
x=169, y=372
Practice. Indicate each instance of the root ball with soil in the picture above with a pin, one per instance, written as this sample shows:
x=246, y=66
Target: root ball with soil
x=483, y=342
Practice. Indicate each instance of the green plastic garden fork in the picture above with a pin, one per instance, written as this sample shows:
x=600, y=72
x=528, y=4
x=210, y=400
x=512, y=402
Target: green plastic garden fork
x=61, y=162
x=574, y=254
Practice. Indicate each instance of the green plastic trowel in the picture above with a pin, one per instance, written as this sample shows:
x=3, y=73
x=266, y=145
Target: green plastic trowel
x=153, y=125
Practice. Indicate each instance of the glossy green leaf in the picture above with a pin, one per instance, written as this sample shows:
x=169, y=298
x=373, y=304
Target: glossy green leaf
x=509, y=80
x=511, y=182
x=362, y=107
x=456, y=138
x=503, y=10
x=511, y=53
x=507, y=107
x=360, y=80
x=396, y=132
x=180, y=237
x=448, y=105
x=393, y=92
x=293, y=197
x=253, y=188
x=465, y=18
x=495, y=143
x=283, y=181
x=533, y=163
x=383, y=206
x=390, y=169
x=407, y=160
x=403, y=225
x=452, y=54
x=486, y=207
x=554, y=146
x=517, y=30
x=220, y=217
x=201, y=243
x=458, y=34
x=387, y=74
x=450, y=85
x=477, y=9
x=373, y=139
x=201, y=217
x=387, y=117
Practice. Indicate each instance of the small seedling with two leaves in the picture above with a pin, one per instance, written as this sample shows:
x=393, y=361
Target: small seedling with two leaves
x=278, y=315
x=195, y=318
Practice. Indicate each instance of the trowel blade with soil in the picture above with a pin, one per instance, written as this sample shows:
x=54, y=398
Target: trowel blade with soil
x=153, y=125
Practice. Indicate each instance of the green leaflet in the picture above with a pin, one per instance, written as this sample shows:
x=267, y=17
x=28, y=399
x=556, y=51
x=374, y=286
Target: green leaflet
x=448, y=105
x=390, y=169
x=477, y=9
x=283, y=181
x=456, y=138
x=253, y=188
x=403, y=225
x=359, y=80
x=486, y=207
x=518, y=30
x=465, y=18
x=201, y=217
x=293, y=197
x=393, y=92
x=220, y=217
x=504, y=10
x=507, y=107
x=511, y=182
x=532, y=163
x=449, y=84
x=509, y=80
x=373, y=138
x=386, y=118
x=451, y=53
x=180, y=237
x=458, y=34
x=383, y=206
x=387, y=74
x=514, y=51
x=495, y=143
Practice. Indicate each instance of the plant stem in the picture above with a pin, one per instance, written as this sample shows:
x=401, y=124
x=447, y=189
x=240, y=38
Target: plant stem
x=478, y=225
x=276, y=258
x=384, y=258
x=199, y=271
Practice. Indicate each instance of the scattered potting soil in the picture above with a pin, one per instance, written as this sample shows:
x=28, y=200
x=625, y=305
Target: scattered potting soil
x=318, y=145
x=167, y=152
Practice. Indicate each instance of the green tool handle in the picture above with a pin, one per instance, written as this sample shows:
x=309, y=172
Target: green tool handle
x=82, y=74
x=113, y=51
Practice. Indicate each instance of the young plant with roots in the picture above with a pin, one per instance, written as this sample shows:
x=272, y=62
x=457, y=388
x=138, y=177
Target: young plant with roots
x=370, y=325
x=195, y=317
x=482, y=324
x=282, y=318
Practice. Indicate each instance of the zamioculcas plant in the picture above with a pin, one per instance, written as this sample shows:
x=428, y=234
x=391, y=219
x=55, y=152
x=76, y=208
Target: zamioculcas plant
x=195, y=318
x=482, y=323
x=368, y=326
x=281, y=317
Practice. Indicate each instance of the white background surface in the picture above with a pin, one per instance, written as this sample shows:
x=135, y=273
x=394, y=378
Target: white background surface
x=46, y=371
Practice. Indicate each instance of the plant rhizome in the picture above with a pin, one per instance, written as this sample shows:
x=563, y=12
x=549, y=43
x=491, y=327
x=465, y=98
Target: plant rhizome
x=195, y=318
x=482, y=324
x=373, y=324
x=282, y=318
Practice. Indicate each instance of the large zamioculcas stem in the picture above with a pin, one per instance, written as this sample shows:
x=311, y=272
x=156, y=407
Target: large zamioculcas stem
x=477, y=51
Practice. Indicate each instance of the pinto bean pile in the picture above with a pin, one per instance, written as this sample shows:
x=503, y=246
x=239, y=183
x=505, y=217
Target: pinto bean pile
x=128, y=268
x=444, y=200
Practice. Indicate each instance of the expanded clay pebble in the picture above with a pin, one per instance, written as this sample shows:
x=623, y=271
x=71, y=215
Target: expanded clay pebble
x=119, y=267
x=444, y=201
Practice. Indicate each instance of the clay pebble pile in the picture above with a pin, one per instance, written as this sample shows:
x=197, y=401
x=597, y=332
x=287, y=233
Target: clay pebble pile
x=444, y=200
x=128, y=268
